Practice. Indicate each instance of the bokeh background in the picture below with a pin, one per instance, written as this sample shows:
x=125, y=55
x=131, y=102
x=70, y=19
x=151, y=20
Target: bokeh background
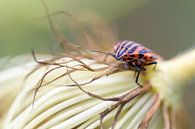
x=166, y=26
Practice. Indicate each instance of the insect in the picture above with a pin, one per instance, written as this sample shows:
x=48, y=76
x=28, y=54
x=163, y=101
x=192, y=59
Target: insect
x=135, y=55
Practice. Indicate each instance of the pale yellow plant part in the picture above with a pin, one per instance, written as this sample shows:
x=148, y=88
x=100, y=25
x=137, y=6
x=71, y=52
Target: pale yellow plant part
x=57, y=106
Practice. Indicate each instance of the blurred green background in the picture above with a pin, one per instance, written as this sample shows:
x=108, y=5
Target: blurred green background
x=166, y=26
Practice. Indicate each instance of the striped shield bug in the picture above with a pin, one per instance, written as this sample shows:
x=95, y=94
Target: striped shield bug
x=134, y=55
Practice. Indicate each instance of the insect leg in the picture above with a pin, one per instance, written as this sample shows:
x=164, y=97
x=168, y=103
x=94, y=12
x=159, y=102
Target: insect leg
x=137, y=77
x=155, y=63
x=139, y=70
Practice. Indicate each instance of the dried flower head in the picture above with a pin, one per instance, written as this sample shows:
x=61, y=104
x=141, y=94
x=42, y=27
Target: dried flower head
x=85, y=90
x=60, y=103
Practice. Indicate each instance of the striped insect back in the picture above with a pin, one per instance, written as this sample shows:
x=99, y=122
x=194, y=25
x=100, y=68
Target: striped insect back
x=124, y=49
x=135, y=55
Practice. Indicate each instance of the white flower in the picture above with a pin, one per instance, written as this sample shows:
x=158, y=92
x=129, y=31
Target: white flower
x=60, y=106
